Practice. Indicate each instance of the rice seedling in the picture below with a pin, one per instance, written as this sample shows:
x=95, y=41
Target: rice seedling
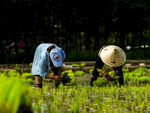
x=68, y=77
x=79, y=66
x=91, y=70
x=79, y=73
x=97, y=99
x=27, y=75
x=2, y=74
x=103, y=97
x=76, y=65
x=15, y=97
x=13, y=72
x=101, y=82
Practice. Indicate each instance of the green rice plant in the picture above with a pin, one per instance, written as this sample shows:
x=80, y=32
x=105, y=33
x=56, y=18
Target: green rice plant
x=13, y=72
x=143, y=107
x=136, y=76
x=106, y=108
x=68, y=77
x=29, y=81
x=76, y=102
x=49, y=100
x=148, y=69
x=143, y=79
x=75, y=107
x=86, y=99
x=51, y=107
x=95, y=99
x=14, y=97
x=125, y=70
x=99, y=105
x=111, y=73
x=17, y=68
x=82, y=64
x=91, y=71
x=75, y=65
x=100, y=82
x=3, y=74
x=27, y=76
x=133, y=106
x=37, y=105
x=127, y=78
x=47, y=80
x=79, y=66
x=38, y=99
x=79, y=73
x=146, y=97
x=139, y=72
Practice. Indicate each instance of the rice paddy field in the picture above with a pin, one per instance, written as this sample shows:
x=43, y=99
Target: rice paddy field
x=18, y=93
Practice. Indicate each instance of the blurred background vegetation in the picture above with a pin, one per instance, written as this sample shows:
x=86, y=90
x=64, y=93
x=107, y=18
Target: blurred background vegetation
x=80, y=27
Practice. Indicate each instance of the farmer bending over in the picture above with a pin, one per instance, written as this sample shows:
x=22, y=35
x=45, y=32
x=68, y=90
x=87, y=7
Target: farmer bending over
x=112, y=56
x=47, y=55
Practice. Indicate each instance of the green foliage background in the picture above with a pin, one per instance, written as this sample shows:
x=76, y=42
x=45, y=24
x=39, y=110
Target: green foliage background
x=81, y=28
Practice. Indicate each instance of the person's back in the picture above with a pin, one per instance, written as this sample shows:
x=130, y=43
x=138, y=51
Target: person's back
x=46, y=57
x=112, y=56
x=41, y=55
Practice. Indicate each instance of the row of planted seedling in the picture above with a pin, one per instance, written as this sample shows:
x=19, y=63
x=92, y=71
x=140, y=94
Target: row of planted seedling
x=17, y=96
x=138, y=76
x=74, y=99
x=93, y=99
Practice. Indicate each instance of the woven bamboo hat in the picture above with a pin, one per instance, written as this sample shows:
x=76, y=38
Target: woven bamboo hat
x=112, y=56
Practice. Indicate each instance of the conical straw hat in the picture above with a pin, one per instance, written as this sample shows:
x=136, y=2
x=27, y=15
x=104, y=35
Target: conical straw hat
x=112, y=56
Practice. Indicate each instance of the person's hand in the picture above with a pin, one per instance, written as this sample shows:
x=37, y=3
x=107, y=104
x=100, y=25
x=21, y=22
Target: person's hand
x=108, y=77
x=57, y=78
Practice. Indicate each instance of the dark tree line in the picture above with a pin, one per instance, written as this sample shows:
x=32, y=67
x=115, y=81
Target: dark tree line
x=75, y=25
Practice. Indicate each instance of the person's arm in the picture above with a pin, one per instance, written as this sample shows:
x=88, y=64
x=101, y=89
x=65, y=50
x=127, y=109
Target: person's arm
x=57, y=74
x=106, y=75
x=56, y=78
x=50, y=48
